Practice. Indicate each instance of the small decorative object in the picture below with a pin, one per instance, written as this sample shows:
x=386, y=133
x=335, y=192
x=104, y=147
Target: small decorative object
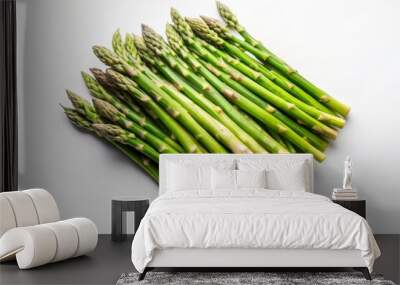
x=348, y=165
x=346, y=192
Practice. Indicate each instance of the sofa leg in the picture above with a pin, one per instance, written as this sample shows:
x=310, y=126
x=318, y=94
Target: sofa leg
x=364, y=271
x=143, y=274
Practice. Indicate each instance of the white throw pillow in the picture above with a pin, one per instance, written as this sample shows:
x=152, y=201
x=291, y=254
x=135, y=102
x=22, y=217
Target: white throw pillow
x=291, y=178
x=281, y=174
x=231, y=180
x=223, y=179
x=181, y=177
x=251, y=178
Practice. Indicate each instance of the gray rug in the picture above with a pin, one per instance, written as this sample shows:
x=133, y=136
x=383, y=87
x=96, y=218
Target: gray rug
x=244, y=278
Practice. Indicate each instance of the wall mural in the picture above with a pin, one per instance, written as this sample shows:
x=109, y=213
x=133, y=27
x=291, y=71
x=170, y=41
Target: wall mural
x=206, y=90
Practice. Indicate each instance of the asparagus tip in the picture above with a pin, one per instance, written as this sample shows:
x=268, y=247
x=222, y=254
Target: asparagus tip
x=220, y=4
x=110, y=70
x=107, y=110
x=98, y=103
x=95, y=70
x=190, y=19
x=64, y=107
x=98, y=74
x=85, y=75
x=128, y=35
x=206, y=18
x=70, y=94
x=137, y=39
x=146, y=28
x=148, y=31
x=212, y=21
x=109, y=131
x=174, y=12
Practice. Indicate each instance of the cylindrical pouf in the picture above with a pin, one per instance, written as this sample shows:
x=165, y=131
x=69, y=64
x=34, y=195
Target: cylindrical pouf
x=46, y=207
x=87, y=233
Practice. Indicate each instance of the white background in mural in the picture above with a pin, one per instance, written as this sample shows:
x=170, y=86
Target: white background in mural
x=349, y=48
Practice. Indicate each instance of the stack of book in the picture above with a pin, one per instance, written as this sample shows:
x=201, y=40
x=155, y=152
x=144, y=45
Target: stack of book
x=344, y=194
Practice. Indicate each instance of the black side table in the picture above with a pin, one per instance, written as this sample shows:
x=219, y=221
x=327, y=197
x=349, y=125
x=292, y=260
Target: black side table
x=119, y=207
x=357, y=206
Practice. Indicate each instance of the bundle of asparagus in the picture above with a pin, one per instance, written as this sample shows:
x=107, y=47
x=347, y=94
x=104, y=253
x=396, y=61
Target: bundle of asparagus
x=205, y=90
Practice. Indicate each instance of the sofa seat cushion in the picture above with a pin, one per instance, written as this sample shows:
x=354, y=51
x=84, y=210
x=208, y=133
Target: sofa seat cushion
x=37, y=245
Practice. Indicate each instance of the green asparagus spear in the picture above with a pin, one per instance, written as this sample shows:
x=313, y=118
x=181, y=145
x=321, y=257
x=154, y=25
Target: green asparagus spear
x=265, y=55
x=155, y=43
x=286, y=102
x=119, y=135
x=99, y=92
x=187, y=141
x=302, y=131
x=81, y=122
x=112, y=114
x=277, y=78
x=174, y=108
x=197, y=97
x=270, y=121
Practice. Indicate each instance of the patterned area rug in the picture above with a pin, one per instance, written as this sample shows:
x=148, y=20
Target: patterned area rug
x=244, y=278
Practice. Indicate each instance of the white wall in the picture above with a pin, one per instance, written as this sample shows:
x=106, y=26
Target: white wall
x=351, y=48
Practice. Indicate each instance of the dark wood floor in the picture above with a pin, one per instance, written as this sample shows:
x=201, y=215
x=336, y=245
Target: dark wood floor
x=110, y=260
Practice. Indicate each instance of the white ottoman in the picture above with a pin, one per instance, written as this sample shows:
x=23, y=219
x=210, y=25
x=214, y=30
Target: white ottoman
x=31, y=232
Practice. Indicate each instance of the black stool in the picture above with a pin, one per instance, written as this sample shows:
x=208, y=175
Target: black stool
x=119, y=207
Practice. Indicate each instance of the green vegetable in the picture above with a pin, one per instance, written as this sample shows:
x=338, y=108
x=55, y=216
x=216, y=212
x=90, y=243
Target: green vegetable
x=81, y=122
x=118, y=134
x=285, y=101
x=153, y=41
x=187, y=141
x=236, y=98
x=110, y=113
x=205, y=90
x=262, y=53
x=99, y=92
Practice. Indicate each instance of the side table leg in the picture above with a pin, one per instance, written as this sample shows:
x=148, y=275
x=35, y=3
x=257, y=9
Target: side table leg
x=118, y=221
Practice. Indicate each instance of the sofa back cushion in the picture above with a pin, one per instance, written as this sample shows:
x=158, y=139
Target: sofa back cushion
x=27, y=208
